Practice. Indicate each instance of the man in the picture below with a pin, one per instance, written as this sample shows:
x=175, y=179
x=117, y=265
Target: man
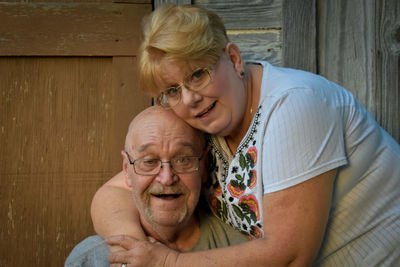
x=164, y=167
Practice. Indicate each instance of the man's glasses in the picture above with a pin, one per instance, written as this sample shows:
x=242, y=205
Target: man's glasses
x=149, y=167
x=194, y=82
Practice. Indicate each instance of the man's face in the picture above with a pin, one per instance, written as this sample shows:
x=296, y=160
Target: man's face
x=165, y=199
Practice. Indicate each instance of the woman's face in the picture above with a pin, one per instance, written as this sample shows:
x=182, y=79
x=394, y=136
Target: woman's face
x=216, y=109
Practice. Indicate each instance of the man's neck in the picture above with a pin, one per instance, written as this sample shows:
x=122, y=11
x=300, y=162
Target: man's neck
x=181, y=237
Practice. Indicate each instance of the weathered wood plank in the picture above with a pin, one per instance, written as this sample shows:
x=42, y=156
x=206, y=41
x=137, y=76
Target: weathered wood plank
x=157, y=3
x=360, y=52
x=252, y=14
x=387, y=42
x=259, y=45
x=70, y=29
x=299, y=34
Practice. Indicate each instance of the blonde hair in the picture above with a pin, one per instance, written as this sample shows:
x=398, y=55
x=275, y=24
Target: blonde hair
x=181, y=35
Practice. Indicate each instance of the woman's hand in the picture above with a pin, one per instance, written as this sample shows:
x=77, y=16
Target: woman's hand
x=140, y=253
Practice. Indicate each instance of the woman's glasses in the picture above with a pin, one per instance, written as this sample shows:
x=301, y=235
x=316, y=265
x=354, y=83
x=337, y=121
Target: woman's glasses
x=198, y=80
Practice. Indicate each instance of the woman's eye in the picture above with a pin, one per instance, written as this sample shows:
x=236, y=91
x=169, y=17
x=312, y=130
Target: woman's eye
x=197, y=75
x=171, y=92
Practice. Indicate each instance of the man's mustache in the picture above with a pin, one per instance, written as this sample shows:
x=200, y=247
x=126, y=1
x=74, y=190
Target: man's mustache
x=159, y=189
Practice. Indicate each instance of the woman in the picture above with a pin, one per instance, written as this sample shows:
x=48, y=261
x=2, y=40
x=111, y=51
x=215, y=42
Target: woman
x=297, y=163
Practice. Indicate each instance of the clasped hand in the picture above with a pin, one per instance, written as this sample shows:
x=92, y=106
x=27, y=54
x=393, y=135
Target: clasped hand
x=140, y=253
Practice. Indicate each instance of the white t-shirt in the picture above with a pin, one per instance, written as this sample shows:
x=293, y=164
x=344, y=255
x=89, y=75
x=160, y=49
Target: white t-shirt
x=306, y=125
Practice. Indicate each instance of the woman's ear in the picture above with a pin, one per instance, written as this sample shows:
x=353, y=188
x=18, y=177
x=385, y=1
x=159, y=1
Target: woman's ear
x=233, y=53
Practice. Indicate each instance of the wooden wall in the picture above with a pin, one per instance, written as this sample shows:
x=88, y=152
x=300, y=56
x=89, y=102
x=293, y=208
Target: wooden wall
x=67, y=94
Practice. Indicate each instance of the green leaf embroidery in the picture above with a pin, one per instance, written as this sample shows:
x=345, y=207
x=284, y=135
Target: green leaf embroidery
x=238, y=211
x=239, y=177
x=242, y=161
x=234, y=183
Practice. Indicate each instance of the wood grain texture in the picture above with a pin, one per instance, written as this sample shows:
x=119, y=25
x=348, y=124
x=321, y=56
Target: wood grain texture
x=259, y=45
x=252, y=14
x=358, y=49
x=157, y=3
x=387, y=72
x=60, y=119
x=70, y=29
x=299, y=33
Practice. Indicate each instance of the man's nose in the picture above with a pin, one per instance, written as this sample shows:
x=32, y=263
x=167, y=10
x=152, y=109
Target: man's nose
x=166, y=176
x=190, y=98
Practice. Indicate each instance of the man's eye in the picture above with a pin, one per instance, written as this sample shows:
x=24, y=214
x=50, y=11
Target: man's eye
x=149, y=162
x=182, y=160
x=172, y=91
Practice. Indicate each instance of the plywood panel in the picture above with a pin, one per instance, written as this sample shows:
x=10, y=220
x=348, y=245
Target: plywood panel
x=59, y=122
x=70, y=29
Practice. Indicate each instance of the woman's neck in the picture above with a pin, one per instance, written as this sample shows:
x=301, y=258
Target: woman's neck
x=253, y=77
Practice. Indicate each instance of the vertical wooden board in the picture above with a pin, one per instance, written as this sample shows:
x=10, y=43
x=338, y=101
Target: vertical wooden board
x=356, y=40
x=130, y=99
x=299, y=32
x=59, y=119
x=387, y=42
x=346, y=46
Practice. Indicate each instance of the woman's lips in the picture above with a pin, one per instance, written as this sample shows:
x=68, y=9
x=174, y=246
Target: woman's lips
x=206, y=111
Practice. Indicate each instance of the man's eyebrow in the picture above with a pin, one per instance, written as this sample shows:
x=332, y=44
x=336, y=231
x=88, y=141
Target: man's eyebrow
x=143, y=147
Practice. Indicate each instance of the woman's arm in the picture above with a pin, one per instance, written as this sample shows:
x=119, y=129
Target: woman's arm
x=114, y=212
x=294, y=227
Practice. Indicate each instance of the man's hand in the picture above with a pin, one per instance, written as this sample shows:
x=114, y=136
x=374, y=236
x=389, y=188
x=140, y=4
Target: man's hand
x=140, y=253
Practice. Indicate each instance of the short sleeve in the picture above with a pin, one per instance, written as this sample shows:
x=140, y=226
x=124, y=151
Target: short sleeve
x=303, y=137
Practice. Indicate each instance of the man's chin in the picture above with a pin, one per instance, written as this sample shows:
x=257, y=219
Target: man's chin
x=166, y=218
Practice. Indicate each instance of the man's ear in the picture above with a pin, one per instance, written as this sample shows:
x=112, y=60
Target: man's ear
x=125, y=163
x=233, y=53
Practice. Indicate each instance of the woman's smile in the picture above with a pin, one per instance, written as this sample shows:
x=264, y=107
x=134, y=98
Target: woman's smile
x=206, y=111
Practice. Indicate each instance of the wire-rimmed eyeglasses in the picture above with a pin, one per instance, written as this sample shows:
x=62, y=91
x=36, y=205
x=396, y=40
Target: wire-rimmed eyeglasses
x=198, y=80
x=149, y=167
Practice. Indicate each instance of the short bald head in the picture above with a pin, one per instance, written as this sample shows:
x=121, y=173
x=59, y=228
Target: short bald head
x=164, y=120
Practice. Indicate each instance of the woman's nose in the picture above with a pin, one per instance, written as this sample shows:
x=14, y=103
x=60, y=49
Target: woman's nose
x=190, y=98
